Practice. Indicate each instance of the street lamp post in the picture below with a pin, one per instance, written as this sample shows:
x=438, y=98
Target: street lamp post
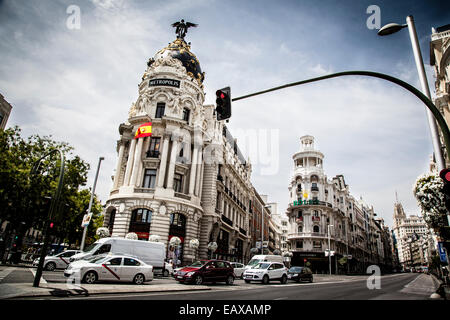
x=262, y=227
x=90, y=202
x=53, y=205
x=392, y=28
x=329, y=248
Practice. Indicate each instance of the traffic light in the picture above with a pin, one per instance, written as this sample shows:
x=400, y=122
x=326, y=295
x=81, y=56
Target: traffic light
x=223, y=103
x=445, y=175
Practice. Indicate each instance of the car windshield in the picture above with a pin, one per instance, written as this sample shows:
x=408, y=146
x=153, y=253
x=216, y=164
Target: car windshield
x=254, y=262
x=263, y=265
x=295, y=269
x=197, y=264
x=90, y=247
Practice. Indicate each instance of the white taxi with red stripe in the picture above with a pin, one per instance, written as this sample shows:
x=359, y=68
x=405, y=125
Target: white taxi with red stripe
x=111, y=268
x=58, y=261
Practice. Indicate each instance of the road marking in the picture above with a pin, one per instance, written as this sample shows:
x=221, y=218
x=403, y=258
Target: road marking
x=283, y=298
x=34, y=275
x=6, y=272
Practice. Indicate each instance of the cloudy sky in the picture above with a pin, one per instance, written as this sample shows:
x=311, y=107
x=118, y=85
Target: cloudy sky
x=78, y=84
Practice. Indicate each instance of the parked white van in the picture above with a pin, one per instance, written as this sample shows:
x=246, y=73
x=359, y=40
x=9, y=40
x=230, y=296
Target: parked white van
x=263, y=258
x=152, y=253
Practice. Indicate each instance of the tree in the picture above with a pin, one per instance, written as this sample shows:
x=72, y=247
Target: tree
x=430, y=197
x=24, y=197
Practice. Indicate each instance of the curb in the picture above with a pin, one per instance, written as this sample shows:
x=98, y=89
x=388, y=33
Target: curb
x=57, y=292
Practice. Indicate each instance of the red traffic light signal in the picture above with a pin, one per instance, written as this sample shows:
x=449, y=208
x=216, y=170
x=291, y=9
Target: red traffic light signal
x=51, y=225
x=445, y=175
x=223, y=103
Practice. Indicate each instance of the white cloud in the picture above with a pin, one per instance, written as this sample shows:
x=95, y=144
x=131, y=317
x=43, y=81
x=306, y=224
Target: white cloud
x=78, y=86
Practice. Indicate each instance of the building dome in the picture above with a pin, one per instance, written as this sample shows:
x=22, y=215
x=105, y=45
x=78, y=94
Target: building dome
x=180, y=50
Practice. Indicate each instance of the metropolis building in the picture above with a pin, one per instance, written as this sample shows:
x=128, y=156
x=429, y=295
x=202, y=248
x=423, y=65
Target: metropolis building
x=189, y=178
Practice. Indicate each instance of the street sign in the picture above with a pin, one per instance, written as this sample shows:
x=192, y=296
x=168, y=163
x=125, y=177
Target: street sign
x=86, y=220
x=265, y=244
x=349, y=257
x=326, y=253
x=442, y=253
x=258, y=244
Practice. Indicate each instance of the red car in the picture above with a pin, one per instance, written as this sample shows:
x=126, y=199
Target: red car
x=206, y=271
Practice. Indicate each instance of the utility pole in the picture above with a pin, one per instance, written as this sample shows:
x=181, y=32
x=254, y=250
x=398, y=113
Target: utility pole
x=90, y=202
x=329, y=248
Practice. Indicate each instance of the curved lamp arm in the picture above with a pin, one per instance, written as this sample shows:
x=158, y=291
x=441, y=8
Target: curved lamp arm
x=439, y=118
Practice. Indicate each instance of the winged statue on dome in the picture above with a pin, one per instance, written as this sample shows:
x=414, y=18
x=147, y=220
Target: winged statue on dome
x=182, y=27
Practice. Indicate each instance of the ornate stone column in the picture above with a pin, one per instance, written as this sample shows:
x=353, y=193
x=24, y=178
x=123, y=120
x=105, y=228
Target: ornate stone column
x=193, y=177
x=173, y=159
x=163, y=163
x=129, y=168
x=119, y=164
x=137, y=159
x=199, y=172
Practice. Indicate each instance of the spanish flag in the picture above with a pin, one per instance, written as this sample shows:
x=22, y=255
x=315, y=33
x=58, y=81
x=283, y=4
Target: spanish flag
x=145, y=130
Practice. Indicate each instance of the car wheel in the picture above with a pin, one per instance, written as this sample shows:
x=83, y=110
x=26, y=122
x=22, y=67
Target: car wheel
x=139, y=279
x=247, y=281
x=90, y=277
x=265, y=279
x=298, y=279
x=311, y=280
x=283, y=279
x=166, y=273
x=230, y=280
x=50, y=266
x=198, y=280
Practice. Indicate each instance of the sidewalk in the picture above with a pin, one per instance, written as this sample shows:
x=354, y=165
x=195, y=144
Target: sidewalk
x=21, y=290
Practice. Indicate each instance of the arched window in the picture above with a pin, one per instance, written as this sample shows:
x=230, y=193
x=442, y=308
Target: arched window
x=140, y=222
x=112, y=217
x=316, y=229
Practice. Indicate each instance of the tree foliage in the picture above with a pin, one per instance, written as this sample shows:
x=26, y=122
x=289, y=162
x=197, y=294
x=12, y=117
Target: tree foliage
x=24, y=196
x=428, y=190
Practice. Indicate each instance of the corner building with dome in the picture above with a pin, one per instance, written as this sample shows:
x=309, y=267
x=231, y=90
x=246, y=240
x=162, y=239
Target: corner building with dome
x=189, y=178
x=323, y=213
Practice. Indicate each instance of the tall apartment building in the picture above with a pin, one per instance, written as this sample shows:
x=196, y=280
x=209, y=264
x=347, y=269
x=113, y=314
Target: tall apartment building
x=440, y=59
x=411, y=232
x=5, y=110
x=322, y=211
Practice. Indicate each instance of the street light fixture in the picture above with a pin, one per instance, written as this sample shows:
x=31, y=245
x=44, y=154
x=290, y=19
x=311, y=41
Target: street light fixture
x=392, y=28
x=262, y=227
x=329, y=248
x=90, y=202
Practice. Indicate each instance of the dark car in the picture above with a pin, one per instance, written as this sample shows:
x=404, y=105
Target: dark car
x=300, y=274
x=206, y=271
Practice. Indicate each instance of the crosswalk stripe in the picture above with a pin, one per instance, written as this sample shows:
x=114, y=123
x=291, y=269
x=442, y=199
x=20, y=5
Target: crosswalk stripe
x=6, y=272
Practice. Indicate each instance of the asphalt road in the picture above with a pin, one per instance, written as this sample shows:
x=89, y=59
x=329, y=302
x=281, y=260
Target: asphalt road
x=392, y=288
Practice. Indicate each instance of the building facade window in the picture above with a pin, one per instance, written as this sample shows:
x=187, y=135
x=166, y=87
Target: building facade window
x=149, y=178
x=299, y=244
x=316, y=229
x=186, y=113
x=160, y=108
x=153, y=150
x=178, y=182
x=140, y=223
x=112, y=217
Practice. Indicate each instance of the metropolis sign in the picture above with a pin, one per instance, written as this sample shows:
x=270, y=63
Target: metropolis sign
x=164, y=82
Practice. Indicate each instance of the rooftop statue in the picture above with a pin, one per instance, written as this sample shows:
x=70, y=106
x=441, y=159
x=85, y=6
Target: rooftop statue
x=182, y=28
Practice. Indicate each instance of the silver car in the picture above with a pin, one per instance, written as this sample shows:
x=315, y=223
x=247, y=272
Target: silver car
x=111, y=267
x=238, y=269
x=58, y=261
